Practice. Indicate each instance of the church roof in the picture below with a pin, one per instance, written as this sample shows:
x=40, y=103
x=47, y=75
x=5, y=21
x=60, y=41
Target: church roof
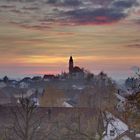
x=77, y=69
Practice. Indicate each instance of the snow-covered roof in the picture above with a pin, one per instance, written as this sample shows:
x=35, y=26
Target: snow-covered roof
x=137, y=135
x=115, y=125
x=78, y=87
x=66, y=104
x=121, y=98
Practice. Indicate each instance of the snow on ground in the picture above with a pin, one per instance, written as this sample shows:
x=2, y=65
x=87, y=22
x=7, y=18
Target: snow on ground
x=115, y=127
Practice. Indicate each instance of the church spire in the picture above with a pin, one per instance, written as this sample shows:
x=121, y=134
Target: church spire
x=71, y=64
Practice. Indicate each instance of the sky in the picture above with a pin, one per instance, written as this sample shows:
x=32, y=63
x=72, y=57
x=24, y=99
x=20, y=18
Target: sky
x=38, y=36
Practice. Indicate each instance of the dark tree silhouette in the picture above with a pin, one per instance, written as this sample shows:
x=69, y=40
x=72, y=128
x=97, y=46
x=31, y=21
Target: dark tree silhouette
x=27, y=122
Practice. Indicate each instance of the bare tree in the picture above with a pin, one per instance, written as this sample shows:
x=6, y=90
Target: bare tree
x=26, y=122
x=100, y=95
x=78, y=125
x=132, y=107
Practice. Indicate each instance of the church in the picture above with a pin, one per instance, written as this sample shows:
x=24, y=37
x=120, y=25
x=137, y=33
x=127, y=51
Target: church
x=75, y=71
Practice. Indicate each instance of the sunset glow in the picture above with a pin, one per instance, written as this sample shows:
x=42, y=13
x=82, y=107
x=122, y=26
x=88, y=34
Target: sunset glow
x=38, y=38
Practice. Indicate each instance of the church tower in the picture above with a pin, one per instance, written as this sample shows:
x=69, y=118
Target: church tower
x=71, y=64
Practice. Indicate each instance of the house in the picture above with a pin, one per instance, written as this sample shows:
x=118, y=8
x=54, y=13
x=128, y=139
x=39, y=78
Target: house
x=26, y=79
x=24, y=93
x=2, y=84
x=23, y=85
x=48, y=77
x=6, y=96
x=116, y=128
x=37, y=78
